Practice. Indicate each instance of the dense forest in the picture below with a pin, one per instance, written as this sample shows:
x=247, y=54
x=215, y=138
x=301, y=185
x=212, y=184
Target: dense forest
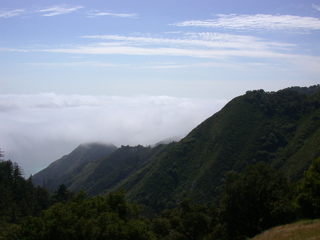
x=254, y=200
x=253, y=165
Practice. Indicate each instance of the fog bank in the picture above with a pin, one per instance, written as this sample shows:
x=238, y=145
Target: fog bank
x=38, y=129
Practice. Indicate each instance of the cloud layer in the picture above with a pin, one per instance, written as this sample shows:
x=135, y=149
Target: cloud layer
x=37, y=129
x=198, y=45
x=257, y=22
x=61, y=9
x=58, y=10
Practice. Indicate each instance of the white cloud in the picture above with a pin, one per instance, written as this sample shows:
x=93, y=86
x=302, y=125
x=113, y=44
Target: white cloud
x=195, y=53
x=58, y=10
x=32, y=126
x=121, y=15
x=222, y=48
x=204, y=39
x=198, y=45
x=13, y=50
x=13, y=13
x=207, y=45
x=257, y=22
x=73, y=64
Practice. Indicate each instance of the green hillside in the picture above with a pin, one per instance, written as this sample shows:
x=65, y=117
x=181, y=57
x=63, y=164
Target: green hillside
x=100, y=176
x=60, y=170
x=280, y=129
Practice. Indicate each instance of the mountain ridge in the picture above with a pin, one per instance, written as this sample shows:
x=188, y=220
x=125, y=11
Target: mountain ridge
x=84, y=153
x=279, y=128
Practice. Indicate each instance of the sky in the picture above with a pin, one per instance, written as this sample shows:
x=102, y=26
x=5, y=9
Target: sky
x=136, y=72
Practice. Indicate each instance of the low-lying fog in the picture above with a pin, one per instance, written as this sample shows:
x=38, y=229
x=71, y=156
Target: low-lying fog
x=38, y=129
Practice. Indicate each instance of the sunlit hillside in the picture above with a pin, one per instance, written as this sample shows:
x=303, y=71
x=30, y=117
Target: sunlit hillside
x=302, y=230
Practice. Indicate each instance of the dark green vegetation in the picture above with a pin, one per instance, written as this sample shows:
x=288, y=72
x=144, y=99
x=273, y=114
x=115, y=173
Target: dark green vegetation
x=242, y=171
x=60, y=171
x=254, y=200
x=20, y=199
x=280, y=129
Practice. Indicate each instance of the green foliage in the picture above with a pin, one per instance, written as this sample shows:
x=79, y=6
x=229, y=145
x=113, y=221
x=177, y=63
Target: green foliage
x=309, y=192
x=185, y=222
x=18, y=197
x=109, y=217
x=255, y=200
x=59, y=171
x=62, y=194
x=280, y=129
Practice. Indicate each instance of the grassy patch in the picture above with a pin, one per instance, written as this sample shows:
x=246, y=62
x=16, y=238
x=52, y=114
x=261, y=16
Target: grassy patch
x=302, y=230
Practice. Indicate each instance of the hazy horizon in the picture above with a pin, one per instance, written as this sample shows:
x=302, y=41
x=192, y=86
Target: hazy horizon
x=38, y=129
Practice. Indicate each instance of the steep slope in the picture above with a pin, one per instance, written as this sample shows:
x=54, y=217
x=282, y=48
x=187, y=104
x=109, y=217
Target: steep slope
x=281, y=129
x=56, y=173
x=98, y=177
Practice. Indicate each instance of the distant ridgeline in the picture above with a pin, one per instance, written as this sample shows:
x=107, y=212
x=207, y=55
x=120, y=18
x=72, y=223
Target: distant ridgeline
x=280, y=129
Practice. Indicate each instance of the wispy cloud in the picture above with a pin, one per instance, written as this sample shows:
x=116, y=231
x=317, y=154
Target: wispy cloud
x=140, y=51
x=204, y=39
x=317, y=7
x=121, y=15
x=58, y=10
x=13, y=13
x=199, y=45
x=206, y=45
x=73, y=64
x=13, y=50
x=257, y=22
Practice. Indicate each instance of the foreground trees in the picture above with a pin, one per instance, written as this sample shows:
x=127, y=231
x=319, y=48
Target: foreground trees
x=253, y=200
x=90, y=218
x=18, y=197
x=309, y=192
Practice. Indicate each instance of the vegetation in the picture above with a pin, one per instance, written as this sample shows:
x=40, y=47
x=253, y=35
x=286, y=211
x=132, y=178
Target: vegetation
x=281, y=129
x=77, y=161
x=253, y=201
x=96, y=218
x=252, y=166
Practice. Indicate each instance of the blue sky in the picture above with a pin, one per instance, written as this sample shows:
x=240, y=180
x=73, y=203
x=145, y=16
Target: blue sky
x=62, y=62
x=177, y=48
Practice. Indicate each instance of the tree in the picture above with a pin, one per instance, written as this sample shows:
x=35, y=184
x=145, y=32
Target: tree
x=188, y=221
x=88, y=218
x=62, y=194
x=254, y=200
x=309, y=192
x=1, y=154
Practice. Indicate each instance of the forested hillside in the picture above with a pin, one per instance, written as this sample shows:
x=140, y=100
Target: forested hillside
x=280, y=129
x=60, y=170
